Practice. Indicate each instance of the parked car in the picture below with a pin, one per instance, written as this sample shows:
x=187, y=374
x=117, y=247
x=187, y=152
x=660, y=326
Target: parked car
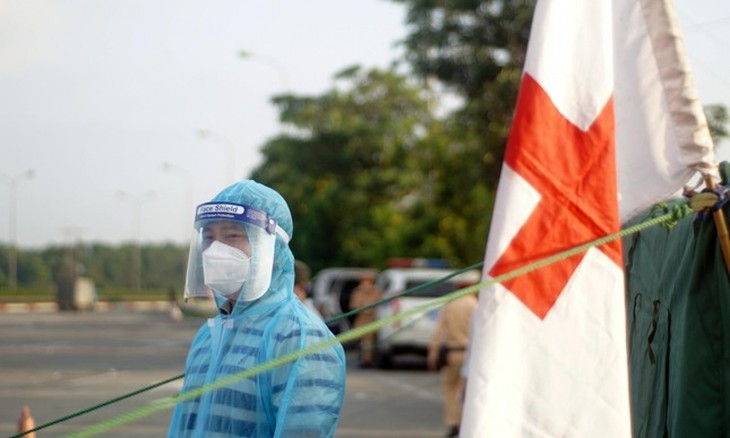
x=412, y=334
x=331, y=290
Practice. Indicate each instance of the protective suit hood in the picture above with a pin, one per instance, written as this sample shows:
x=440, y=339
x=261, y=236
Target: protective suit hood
x=239, y=250
x=249, y=192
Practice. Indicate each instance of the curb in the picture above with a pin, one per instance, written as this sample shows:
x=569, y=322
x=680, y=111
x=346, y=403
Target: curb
x=102, y=306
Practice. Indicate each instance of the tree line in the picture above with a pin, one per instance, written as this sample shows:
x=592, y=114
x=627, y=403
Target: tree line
x=110, y=266
x=396, y=162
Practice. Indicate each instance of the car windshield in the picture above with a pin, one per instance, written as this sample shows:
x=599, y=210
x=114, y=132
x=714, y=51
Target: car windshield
x=432, y=291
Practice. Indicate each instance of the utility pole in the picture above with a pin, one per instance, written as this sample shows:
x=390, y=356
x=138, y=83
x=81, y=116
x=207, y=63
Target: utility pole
x=137, y=201
x=12, y=183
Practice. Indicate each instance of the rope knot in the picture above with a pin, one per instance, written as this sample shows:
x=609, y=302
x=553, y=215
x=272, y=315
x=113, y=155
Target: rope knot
x=680, y=211
x=677, y=210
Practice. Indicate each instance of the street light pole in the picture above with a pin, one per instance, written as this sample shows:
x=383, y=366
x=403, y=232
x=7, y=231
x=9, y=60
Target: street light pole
x=226, y=142
x=136, y=225
x=271, y=62
x=12, y=183
x=281, y=70
x=188, y=202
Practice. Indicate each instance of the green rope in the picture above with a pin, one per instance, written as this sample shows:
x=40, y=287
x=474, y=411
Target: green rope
x=678, y=211
x=673, y=214
x=180, y=376
x=99, y=406
x=350, y=335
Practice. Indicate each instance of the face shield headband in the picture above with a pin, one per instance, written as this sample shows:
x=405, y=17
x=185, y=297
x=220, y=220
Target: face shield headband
x=231, y=269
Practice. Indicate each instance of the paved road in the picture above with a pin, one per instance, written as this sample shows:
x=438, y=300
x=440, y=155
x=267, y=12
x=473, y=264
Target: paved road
x=62, y=363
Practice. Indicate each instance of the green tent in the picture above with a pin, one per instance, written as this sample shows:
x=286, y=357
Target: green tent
x=678, y=315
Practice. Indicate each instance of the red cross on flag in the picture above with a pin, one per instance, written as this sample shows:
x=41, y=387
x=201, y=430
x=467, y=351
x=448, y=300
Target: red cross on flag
x=607, y=122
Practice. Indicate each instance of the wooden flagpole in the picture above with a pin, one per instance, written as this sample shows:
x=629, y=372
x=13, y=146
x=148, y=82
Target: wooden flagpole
x=722, y=231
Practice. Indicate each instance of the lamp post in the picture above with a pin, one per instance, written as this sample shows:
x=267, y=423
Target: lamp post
x=188, y=201
x=137, y=201
x=228, y=144
x=280, y=70
x=271, y=62
x=12, y=182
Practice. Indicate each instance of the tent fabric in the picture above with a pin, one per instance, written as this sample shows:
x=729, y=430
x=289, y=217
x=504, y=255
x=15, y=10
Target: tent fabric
x=678, y=316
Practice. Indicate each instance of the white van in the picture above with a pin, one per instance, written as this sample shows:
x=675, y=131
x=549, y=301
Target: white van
x=412, y=334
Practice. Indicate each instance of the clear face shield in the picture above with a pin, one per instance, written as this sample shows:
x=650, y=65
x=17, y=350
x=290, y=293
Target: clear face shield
x=231, y=252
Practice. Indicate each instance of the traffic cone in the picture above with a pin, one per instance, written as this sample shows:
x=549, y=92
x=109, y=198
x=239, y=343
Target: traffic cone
x=26, y=422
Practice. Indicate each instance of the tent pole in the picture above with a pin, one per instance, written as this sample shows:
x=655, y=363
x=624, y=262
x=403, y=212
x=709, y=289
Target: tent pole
x=721, y=225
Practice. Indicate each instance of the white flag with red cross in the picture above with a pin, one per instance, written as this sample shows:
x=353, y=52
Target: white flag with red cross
x=607, y=122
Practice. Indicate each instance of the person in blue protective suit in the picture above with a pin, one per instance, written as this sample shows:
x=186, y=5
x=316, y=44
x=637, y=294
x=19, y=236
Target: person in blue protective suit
x=240, y=256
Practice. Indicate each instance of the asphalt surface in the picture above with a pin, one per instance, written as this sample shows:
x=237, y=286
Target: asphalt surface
x=63, y=363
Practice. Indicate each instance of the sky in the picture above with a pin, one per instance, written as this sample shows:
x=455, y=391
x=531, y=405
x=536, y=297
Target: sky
x=128, y=113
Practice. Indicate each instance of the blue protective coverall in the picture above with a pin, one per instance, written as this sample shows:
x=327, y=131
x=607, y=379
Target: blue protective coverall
x=302, y=398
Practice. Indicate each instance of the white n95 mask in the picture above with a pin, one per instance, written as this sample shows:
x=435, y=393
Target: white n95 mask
x=225, y=268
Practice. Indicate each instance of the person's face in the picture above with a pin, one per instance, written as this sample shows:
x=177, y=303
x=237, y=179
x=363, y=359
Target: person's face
x=228, y=232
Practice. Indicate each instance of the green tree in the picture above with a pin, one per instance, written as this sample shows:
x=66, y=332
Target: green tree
x=350, y=167
x=32, y=270
x=717, y=120
x=437, y=188
x=475, y=49
x=4, y=274
x=164, y=266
